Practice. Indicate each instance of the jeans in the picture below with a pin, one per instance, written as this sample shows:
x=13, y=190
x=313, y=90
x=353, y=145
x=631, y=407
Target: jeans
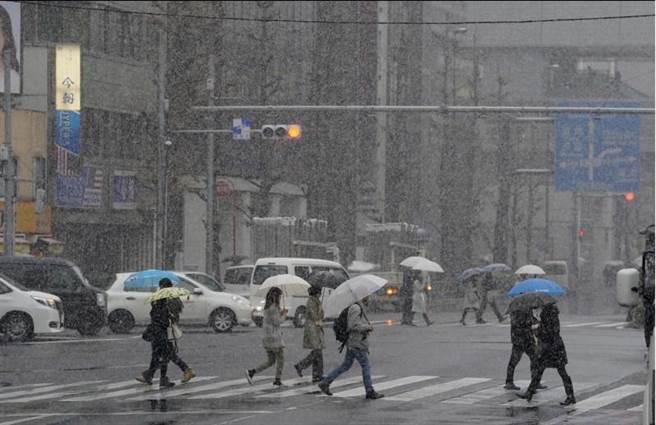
x=173, y=357
x=273, y=356
x=363, y=358
x=314, y=359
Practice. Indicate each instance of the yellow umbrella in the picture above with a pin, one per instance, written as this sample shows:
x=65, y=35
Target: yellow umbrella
x=168, y=293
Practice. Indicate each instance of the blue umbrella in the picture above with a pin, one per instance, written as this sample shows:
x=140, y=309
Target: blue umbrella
x=536, y=285
x=148, y=279
x=496, y=268
x=469, y=273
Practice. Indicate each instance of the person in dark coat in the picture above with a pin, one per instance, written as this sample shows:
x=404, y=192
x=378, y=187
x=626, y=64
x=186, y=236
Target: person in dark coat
x=175, y=307
x=405, y=297
x=523, y=341
x=551, y=354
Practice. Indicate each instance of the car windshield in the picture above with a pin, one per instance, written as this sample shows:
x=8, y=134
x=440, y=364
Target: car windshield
x=208, y=281
x=262, y=273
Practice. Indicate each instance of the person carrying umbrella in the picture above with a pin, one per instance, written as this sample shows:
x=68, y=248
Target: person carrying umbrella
x=313, y=338
x=405, y=297
x=357, y=348
x=419, y=299
x=551, y=354
x=272, y=341
x=488, y=293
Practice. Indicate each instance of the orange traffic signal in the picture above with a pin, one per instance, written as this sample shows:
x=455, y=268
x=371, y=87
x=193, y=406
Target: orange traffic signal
x=629, y=197
x=294, y=131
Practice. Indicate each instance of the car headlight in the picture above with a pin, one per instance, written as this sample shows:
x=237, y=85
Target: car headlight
x=100, y=299
x=48, y=302
x=259, y=308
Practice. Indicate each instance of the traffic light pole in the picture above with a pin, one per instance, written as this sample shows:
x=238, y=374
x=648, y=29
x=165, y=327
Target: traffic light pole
x=209, y=215
x=9, y=219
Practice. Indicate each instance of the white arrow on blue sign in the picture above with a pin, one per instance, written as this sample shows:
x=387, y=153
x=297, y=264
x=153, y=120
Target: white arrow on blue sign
x=241, y=129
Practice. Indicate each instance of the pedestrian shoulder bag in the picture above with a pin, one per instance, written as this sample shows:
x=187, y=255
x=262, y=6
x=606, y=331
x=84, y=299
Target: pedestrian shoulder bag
x=340, y=326
x=174, y=332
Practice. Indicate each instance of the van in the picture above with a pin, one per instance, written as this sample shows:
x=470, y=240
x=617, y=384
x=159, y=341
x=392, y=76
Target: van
x=304, y=268
x=237, y=279
x=85, y=307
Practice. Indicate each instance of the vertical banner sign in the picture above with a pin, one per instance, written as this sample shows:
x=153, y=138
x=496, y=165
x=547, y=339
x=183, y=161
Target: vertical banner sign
x=125, y=190
x=67, y=77
x=10, y=37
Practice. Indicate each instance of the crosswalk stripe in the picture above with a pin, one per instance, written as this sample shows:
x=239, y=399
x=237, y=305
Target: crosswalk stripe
x=59, y=394
x=42, y=390
x=21, y=387
x=485, y=394
x=637, y=408
x=549, y=395
x=607, y=397
x=21, y=420
x=191, y=390
x=436, y=389
x=248, y=389
x=610, y=325
x=314, y=388
x=579, y=325
x=140, y=389
x=385, y=385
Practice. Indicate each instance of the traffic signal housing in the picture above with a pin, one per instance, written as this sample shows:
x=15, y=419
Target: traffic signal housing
x=281, y=131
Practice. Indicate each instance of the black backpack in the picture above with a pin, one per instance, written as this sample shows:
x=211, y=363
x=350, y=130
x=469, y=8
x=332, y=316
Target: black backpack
x=340, y=326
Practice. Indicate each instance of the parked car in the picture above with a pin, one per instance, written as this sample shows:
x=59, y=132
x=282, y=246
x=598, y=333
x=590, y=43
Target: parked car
x=85, y=307
x=24, y=313
x=237, y=278
x=305, y=268
x=207, y=305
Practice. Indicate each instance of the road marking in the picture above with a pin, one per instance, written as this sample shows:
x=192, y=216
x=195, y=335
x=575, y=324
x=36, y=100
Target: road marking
x=436, y=389
x=610, y=325
x=191, y=390
x=59, y=394
x=314, y=388
x=140, y=389
x=21, y=420
x=608, y=397
x=42, y=390
x=249, y=389
x=22, y=387
x=549, y=395
x=636, y=409
x=579, y=325
x=485, y=394
x=73, y=341
x=384, y=385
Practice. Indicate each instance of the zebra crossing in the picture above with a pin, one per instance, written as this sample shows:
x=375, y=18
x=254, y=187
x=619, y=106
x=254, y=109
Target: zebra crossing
x=564, y=325
x=420, y=388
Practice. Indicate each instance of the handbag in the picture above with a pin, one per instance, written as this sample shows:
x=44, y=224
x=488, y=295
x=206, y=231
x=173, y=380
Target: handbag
x=174, y=332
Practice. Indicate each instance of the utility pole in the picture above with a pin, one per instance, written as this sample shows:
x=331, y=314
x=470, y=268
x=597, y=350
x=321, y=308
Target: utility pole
x=381, y=99
x=8, y=158
x=161, y=160
x=209, y=215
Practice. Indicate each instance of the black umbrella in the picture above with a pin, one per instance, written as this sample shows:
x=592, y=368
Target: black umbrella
x=530, y=301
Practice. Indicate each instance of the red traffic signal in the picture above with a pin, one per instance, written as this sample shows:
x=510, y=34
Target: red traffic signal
x=629, y=197
x=581, y=232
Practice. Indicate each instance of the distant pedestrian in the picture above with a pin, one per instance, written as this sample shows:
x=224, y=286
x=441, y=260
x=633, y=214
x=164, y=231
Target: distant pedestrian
x=419, y=300
x=523, y=341
x=272, y=341
x=551, y=354
x=175, y=308
x=405, y=297
x=488, y=293
x=472, y=301
x=313, y=337
x=357, y=348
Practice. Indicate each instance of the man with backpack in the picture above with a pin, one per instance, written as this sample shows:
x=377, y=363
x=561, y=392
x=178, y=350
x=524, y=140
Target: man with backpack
x=352, y=329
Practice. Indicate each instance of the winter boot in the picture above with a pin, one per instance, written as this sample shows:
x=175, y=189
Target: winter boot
x=511, y=386
x=277, y=382
x=528, y=395
x=568, y=401
x=373, y=395
x=165, y=383
x=325, y=387
x=299, y=370
x=145, y=378
x=249, y=375
x=188, y=374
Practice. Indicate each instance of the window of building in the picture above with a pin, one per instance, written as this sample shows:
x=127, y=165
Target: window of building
x=39, y=174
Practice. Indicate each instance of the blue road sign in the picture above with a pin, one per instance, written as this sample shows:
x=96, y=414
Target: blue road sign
x=67, y=130
x=241, y=129
x=597, y=153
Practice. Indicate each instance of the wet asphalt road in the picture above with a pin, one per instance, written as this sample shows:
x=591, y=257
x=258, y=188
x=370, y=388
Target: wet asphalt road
x=443, y=374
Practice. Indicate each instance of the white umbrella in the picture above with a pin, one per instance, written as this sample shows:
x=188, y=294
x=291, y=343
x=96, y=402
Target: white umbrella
x=290, y=285
x=423, y=264
x=352, y=291
x=530, y=269
x=362, y=266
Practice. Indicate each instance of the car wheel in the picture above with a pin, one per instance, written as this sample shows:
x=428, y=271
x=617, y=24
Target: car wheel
x=299, y=317
x=89, y=324
x=120, y=321
x=17, y=327
x=222, y=320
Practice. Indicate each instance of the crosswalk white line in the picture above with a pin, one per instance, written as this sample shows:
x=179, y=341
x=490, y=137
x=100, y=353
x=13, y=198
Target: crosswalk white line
x=485, y=394
x=384, y=385
x=610, y=325
x=579, y=325
x=67, y=393
x=637, y=408
x=246, y=390
x=21, y=420
x=139, y=389
x=436, y=389
x=21, y=387
x=608, y=397
x=314, y=388
x=550, y=394
x=197, y=389
x=41, y=390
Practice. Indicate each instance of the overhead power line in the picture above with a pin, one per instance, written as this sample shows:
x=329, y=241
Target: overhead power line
x=337, y=21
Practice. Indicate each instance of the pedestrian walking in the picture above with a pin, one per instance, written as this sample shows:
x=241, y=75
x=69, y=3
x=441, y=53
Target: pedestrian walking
x=419, y=300
x=471, y=302
x=313, y=337
x=405, y=297
x=272, y=341
x=488, y=293
x=357, y=348
x=175, y=306
x=523, y=341
x=162, y=350
x=551, y=354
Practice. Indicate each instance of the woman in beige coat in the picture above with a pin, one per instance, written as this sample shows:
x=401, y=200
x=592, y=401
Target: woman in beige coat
x=313, y=339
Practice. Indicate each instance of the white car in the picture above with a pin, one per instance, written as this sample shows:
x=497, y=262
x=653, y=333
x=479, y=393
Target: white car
x=207, y=305
x=24, y=313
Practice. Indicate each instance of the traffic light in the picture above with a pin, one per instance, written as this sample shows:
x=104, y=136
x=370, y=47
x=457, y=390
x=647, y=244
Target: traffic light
x=281, y=131
x=629, y=197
